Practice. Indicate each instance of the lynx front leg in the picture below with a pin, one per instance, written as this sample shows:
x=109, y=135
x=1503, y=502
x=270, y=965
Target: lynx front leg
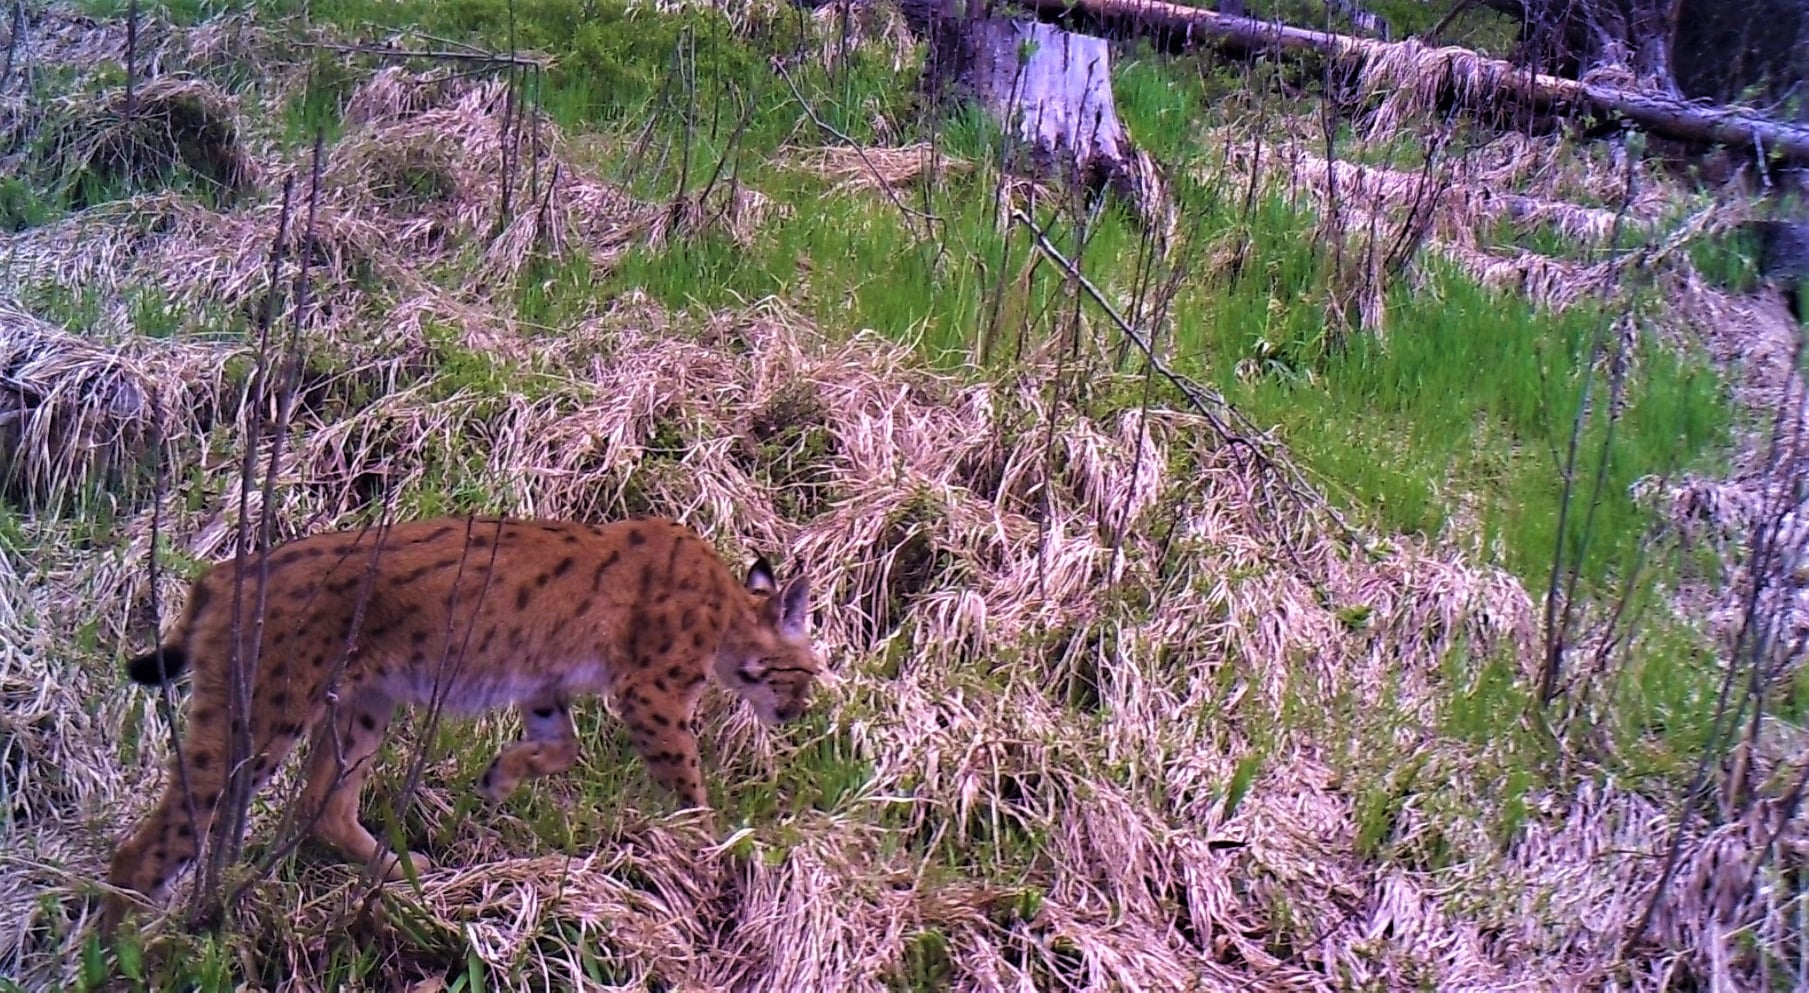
x=548, y=745
x=662, y=728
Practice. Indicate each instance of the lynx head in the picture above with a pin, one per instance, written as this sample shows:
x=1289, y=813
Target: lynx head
x=775, y=667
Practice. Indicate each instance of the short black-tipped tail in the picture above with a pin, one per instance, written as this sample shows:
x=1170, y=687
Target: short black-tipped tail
x=143, y=668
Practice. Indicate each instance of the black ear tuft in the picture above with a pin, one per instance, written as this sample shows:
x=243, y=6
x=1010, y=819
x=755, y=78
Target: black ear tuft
x=760, y=576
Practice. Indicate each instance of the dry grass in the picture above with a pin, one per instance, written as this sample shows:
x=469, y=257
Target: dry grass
x=76, y=412
x=844, y=27
x=1038, y=697
x=1729, y=884
x=879, y=168
x=1455, y=203
x=416, y=181
x=1460, y=208
x=1075, y=762
x=175, y=118
x=429, y=151
x=1763, y=343
x=168, y=123
x=931, y=524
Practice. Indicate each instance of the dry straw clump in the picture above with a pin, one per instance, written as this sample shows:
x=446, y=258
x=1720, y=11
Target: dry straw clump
x=418, y=176
x=169, y=122
x=1043, y=721
x=443, y=154
x=1455, y=203
x=76, y=412
x=176, y=116
x=877, y=168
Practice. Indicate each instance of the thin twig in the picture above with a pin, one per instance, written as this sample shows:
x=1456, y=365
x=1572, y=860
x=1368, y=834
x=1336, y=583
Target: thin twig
x=132, y=60
x=1206, y=402
x=166, y=697
x=287, y=842
x=1558, y=611
x=237, y=692
x=13, y=44
x=1431, y=36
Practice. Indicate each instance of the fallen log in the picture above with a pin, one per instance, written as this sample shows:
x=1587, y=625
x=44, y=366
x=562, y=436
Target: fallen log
x=1459, y=73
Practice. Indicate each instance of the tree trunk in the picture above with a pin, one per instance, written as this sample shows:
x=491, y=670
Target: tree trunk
x=1572, y=37
x=1784, y=258
x=1050, y=88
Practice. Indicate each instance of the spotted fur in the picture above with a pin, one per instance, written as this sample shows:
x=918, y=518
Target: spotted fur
x=495, y=612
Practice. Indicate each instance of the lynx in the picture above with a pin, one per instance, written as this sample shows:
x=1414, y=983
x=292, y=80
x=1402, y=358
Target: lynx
x=494, y=612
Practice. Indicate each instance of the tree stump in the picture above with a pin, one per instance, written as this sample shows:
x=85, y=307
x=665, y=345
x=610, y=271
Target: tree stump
x=1784, y=258
x=1050, y=90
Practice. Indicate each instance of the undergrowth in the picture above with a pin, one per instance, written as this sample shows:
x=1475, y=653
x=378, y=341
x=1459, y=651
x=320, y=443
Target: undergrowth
x=1447, y=423
x=1444, y=424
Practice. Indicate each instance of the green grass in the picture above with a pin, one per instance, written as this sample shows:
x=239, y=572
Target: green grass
x=1469, y=398
x=1464, y=404
x=23, y=206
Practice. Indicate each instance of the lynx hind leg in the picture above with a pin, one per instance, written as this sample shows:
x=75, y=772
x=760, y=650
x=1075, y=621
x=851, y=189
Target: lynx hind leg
x=342, y=747
x=168, y=838
x=662, y=727
x=548, y=745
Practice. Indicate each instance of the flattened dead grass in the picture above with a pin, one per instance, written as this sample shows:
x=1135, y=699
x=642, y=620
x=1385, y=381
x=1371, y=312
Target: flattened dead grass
x=75, y=412
x=1456, y=205
x=1068, y=759
x=1030, y=695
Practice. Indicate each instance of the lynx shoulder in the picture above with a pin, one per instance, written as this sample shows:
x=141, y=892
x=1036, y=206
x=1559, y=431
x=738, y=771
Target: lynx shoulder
x=479, y=613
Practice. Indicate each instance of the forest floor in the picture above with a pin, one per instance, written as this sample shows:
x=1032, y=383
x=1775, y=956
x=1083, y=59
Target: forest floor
x=1220, y=671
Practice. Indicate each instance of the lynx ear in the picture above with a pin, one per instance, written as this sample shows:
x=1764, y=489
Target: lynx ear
x=760, y=576
x=794, y=607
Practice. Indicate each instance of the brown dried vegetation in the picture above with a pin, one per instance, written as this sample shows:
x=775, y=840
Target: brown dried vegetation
x=1049, y=756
